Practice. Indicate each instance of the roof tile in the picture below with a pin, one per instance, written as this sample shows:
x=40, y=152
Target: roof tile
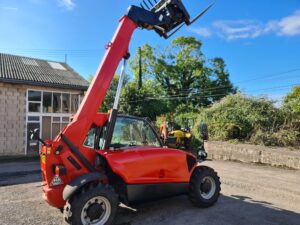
x=19, y=69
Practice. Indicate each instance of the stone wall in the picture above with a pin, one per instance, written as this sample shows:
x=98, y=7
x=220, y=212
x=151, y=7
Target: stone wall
x=281, y=157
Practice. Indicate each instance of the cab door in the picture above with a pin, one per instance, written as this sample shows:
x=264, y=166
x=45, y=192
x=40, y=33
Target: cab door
x=126, y=156
x=171, y=164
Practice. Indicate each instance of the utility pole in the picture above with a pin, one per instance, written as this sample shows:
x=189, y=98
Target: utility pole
x=66, y=58
x=140, y=81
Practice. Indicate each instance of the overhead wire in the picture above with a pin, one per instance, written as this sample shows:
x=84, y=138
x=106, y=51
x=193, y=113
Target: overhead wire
x=179, y=93
x=206, y=96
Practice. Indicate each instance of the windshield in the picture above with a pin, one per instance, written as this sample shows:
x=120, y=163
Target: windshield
x=128, y=132
x=133, y=132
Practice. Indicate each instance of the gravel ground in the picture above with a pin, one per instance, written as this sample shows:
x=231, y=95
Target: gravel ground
x=251, y=195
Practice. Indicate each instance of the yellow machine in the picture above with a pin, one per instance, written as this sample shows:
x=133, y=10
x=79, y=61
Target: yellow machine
x=176, y=138
x=182, y=139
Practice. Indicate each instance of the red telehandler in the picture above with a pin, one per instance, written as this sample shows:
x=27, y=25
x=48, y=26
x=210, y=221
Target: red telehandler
x=100, y=160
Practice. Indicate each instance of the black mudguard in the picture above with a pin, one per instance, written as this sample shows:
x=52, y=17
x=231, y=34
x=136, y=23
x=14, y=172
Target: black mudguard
x=79, y=182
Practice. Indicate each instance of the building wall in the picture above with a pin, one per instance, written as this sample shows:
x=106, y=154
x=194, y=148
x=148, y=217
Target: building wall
x=12, y=119
x=13, y=100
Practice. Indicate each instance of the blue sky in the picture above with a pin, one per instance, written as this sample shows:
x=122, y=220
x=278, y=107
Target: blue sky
x=259, y=40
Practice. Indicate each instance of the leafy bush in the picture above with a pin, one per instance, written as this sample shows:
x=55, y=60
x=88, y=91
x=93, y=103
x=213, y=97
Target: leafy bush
x=240, y=117
x=281, y=138
x=292, y=101
x=185, y=115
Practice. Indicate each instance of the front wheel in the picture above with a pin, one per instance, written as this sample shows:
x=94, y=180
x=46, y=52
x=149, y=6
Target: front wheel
x=205, y=187
x=95, y=205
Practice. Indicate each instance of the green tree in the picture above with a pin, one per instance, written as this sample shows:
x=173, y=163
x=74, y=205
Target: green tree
x=182, y=71
x=144, y=102
x=148, y=60
x=292, y=101
x=220, y=82
x=90, y=78
x=291, y=107
x=110, y=95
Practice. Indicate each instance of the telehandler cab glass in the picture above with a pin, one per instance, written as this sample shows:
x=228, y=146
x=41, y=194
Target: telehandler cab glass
x=128, y=132
x=132, y=132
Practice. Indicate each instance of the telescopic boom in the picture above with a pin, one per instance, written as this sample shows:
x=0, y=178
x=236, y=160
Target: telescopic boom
x=165, y=17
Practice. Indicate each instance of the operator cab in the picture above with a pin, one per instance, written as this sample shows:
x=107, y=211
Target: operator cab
x=129, y=132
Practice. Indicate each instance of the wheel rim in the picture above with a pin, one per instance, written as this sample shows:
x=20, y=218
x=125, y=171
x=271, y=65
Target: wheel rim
x=207, y=188
x=96, y=211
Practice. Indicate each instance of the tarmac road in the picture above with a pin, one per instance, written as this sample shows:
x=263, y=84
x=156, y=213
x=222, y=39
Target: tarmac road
x=251, y=195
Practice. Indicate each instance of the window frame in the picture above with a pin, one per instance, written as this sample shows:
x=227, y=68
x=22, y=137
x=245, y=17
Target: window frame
x=34, y=102
x=41, y=113
x=146, y=122
x=80, y=95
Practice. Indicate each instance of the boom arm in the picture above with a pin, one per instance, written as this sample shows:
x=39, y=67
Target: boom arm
x=165, y=17
x=116, y=50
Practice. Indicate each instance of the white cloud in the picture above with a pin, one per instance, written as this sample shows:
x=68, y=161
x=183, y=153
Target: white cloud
x=249, y=29
x=238, y=29
x=290, y=26
x=67, y=4
x=202, y=31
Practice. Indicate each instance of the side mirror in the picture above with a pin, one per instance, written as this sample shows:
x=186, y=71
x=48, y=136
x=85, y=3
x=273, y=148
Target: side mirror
x=34, y=134
x=204, y=131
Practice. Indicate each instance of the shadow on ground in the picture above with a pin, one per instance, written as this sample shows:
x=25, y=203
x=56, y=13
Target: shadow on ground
x=233, y=210
x=229, y=210
x=20, y=178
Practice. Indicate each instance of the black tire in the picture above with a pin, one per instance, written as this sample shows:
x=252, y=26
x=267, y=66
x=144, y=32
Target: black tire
x=205, y=187
x=94, y=192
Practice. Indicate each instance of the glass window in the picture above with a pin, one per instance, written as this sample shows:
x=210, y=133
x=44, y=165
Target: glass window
x=63, y=125
x=33, y=118
x=55, y=129
x=133, y=132
x=102, y=137
x=46, y=127
x=81, y=98
x=74, y=103
x=56, y=119
x=34, y=96
x=32, y=145
x=47, y=102
x=34, y=107
x=151, y=138
x=90, y=138
x=57, y=102
x=66, y=119
x=65, y=103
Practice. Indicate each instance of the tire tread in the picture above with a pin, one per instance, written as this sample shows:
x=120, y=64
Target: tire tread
x=68, y=214
x=194, y=195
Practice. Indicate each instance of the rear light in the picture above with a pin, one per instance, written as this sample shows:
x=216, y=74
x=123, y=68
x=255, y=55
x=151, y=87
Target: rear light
x=60, y=170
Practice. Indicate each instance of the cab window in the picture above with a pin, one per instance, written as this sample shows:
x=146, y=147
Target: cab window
x=131, y=132
x=128, y=132
x=90, y=138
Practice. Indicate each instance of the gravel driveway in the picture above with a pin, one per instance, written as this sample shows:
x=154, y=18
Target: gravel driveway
x=251, y=195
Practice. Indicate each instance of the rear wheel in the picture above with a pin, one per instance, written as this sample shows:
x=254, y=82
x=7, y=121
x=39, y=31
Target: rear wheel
x=94, y=205
x=205, y=187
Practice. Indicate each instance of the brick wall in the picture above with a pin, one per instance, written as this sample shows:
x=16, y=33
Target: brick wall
x=12, y=119
x=13, y=116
